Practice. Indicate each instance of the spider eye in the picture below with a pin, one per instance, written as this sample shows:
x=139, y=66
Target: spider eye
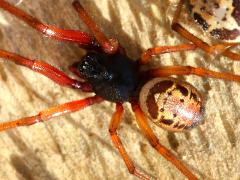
x=170, y=104
x=91, y=68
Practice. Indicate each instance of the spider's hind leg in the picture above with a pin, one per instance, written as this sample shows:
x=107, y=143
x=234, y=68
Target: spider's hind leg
x=153, y=140
x=116, y=120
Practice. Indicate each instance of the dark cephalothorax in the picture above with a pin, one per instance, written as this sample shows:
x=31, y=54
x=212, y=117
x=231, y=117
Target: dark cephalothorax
x=113, y=77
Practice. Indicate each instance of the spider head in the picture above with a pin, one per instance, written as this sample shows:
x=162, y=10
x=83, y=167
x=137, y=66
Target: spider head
x=113, y=77
x=92, y=69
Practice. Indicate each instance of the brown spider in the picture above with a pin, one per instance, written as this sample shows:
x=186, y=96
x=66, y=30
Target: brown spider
x=172, y=88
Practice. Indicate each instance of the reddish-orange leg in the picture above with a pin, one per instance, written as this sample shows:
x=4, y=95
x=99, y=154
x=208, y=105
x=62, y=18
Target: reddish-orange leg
x=147, y=131
x=116, y=120
x=214, y=49
x=188, y=70
x=145, y=57
x=182, y=70
x=52, y=112
x=53, y=32
x=109, y=46
x=82, y=38
x=47, y=70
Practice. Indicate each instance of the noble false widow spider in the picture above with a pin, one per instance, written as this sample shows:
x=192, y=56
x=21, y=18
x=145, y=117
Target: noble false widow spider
x=112, y=76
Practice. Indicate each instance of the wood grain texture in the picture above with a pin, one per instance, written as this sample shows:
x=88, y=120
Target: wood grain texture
x=78, y=146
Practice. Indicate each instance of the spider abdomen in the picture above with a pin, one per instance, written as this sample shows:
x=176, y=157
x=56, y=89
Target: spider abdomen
x=171, y=104
x=221, y=18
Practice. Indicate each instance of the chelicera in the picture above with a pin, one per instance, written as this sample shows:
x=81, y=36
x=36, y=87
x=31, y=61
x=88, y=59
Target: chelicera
x=108, y=72
x=219, y=19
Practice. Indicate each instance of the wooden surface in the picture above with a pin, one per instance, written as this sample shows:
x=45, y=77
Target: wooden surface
x=78, y=146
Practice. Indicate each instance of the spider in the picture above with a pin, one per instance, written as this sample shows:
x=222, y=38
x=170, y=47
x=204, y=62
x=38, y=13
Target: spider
x=98, y=71
x=219, y=19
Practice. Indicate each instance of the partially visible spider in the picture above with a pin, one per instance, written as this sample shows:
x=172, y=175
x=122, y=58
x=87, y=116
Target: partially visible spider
x=218, y=18
x=111, y=75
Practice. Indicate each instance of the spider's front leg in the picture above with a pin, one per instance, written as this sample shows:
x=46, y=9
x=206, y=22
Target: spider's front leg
x=79, y=37
x=47, y=70
x=109, y=46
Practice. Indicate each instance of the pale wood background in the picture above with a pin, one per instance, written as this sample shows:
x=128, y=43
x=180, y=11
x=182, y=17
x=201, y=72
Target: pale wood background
x=78, y=146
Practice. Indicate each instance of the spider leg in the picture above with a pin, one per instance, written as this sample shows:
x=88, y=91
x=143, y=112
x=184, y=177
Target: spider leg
x=216, y=49
x=146, y=56
x=144, y=126
x=47, y=70
x=109, y=46
x=51, y=113
x=116, y=119
x=82, y=38
x=189, y=70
